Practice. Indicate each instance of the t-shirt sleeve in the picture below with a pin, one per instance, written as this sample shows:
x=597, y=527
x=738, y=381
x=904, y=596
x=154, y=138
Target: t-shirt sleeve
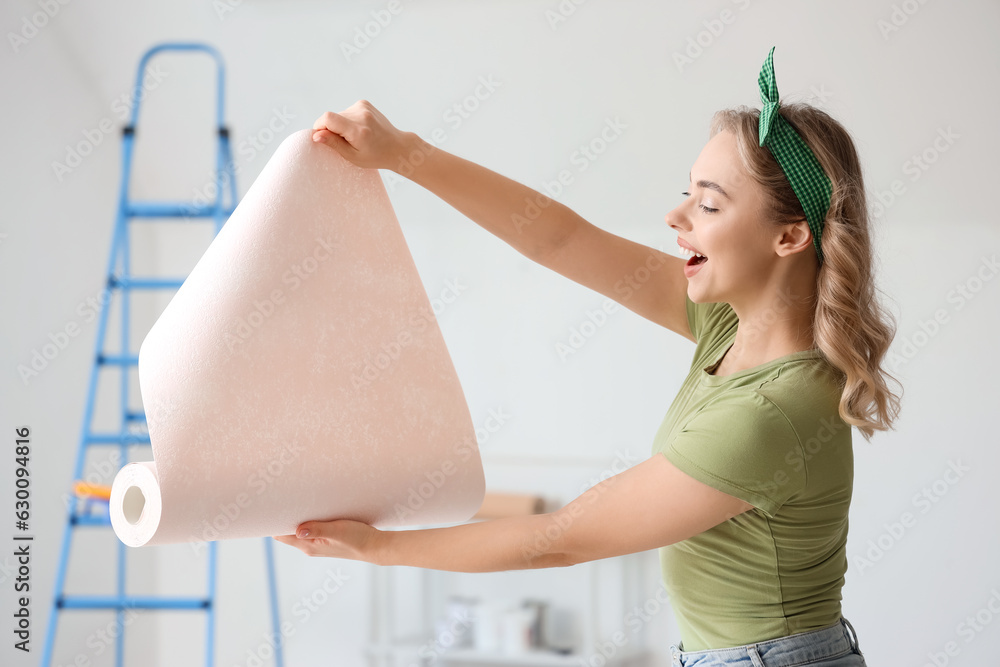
x=742, y=445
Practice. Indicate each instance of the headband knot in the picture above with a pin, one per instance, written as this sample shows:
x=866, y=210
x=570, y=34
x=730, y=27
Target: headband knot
x=810, y=183
x=769, y=98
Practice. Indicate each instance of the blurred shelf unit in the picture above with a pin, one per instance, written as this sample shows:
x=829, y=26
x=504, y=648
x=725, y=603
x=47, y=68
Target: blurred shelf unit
x=584, y=624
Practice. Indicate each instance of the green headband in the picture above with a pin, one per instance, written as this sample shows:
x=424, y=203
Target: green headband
x=803, y=170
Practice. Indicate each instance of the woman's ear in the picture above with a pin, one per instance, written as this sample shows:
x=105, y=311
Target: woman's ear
x=794, y=237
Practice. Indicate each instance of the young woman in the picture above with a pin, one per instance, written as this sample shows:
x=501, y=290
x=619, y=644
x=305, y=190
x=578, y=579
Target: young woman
x=749, y=486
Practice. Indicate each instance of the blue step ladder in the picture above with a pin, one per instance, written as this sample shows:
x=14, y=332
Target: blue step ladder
x=89, y=511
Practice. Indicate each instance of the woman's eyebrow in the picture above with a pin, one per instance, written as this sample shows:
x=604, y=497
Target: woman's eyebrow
x=711, y=185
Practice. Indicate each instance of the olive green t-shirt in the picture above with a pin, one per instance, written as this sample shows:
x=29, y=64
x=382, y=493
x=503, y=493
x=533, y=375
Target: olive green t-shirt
x=772, y=436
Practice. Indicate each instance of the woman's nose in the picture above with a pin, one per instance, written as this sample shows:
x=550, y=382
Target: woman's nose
x=677, y=220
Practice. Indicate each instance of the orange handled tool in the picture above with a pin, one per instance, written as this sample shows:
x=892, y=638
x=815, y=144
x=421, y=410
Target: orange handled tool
x=84, y=489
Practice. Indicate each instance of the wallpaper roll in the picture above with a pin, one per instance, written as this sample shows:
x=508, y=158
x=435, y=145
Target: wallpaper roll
x=299, y=373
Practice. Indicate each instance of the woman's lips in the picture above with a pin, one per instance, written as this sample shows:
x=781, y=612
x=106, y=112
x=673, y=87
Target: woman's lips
x=694, y=265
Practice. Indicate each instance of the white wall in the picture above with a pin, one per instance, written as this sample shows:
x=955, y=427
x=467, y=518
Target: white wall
x=896, y=79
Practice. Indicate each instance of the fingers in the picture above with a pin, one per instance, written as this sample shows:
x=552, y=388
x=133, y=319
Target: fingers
x=360, y=134
x=333, y=122
x=336, y=142
x=297, y=540
x=324, y=135
x=308, y=547
x=334, y=130
x=333, y=539
x=343, y=123
x=337, y=132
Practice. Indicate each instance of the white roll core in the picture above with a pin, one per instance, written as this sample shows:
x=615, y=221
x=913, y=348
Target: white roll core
x=133, y=505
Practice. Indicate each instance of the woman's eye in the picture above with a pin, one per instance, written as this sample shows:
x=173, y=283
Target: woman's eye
x=704, y=208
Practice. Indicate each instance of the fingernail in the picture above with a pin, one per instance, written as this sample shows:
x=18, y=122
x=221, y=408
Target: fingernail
x=303, y=533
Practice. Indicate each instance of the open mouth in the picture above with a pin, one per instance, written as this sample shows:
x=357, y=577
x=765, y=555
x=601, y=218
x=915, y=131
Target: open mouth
x=696, y=260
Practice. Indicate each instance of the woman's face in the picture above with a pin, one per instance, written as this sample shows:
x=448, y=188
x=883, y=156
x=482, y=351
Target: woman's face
x=722, y=219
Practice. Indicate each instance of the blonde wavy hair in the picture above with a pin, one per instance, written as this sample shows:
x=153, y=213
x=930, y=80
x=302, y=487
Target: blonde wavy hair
x=851, y=327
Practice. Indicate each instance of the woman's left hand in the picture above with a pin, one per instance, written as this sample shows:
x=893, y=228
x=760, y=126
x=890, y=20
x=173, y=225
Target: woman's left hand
x=341, y=538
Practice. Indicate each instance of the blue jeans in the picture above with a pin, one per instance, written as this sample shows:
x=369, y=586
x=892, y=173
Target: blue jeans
x=832, y=646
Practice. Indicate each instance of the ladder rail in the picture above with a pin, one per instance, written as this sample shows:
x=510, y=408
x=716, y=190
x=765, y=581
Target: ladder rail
x=220, y=110
x=123, y=349
x=88, y=416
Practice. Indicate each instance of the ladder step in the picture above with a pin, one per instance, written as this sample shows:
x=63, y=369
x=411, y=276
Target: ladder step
x=173, y=209
x=91, y=520
x=144, y=283
x=135, y=416
x=116, y=438
x=130, y=602
x=118, y=360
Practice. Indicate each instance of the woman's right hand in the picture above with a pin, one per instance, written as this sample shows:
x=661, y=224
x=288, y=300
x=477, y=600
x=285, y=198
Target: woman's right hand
x=362, y=135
